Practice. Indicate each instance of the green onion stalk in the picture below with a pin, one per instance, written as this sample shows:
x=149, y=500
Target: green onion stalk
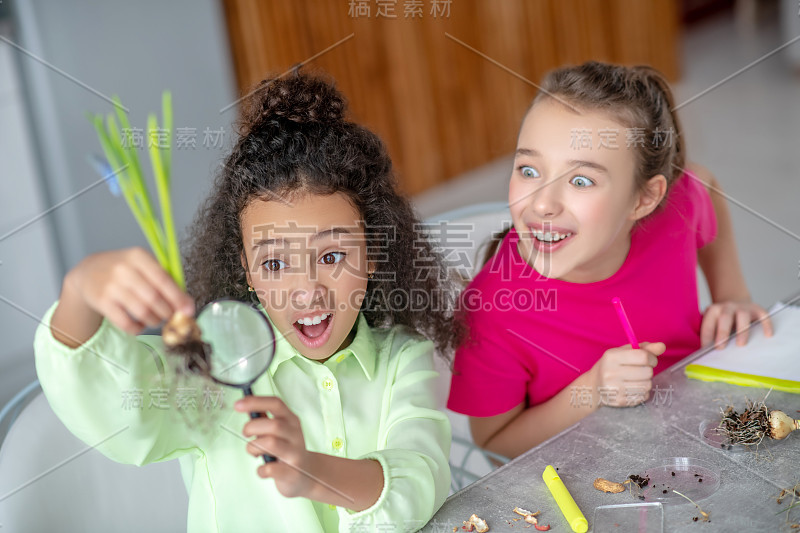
x=120, y=152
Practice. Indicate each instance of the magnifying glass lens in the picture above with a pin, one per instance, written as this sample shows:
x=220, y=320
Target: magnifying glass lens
x=241, y=340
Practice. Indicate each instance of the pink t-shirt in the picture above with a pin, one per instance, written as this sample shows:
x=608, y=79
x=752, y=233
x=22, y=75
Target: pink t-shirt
x=531, y=336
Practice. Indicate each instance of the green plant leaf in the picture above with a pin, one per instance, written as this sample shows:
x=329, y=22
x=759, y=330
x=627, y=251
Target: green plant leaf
x=113, y=153
x=162, y=186
x=795, y=504
x=160, y=235
x=166, y=119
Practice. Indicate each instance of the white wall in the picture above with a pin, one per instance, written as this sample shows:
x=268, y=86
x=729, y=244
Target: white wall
x=28, y=263
x=84, y=47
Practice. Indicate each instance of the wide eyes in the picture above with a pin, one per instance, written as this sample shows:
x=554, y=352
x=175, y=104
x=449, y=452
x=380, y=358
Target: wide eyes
x=581, y=182
x=273, y=265
x=330, y=258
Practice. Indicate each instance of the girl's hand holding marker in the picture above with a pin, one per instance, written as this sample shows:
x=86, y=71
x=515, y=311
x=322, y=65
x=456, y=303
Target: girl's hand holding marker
x=627, y=369
x=628, y=373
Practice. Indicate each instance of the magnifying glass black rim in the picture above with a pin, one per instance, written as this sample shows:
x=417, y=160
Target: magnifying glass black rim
x=245, y=385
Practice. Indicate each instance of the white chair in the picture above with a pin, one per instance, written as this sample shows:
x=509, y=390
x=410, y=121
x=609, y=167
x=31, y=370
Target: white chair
x=461, y=236
x=52, y=481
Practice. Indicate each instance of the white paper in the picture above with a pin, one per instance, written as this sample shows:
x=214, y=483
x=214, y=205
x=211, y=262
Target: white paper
x=774, y=357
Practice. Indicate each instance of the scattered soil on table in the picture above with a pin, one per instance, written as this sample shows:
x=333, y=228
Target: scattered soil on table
x=640, y=481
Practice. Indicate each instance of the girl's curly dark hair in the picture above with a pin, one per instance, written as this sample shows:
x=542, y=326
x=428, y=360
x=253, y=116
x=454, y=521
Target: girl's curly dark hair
x=294, y=138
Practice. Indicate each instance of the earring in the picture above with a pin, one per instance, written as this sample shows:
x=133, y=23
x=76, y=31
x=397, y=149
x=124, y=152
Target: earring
x=371, y=275
x=253, y=296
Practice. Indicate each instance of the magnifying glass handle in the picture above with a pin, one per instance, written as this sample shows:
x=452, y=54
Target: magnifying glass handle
x=267, y=458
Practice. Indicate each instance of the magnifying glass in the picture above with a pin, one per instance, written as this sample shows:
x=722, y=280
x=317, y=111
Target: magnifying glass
x=242, y=344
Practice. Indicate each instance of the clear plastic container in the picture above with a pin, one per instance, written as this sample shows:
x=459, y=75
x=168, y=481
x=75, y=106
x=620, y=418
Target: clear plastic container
x=629, y=517
x=691, y=477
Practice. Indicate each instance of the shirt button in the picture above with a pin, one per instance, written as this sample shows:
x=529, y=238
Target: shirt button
x=327, y=384
x=331, y=507
x=337, y=444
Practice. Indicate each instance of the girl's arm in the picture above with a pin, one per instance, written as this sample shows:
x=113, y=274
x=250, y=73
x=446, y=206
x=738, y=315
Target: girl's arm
x=358, y=482
x=719, y=260
x=354, y=484
x=512, y=433
x=99, y=379
x=74, y=322
x=623, y=375
x=128, y=287
x=104, y=391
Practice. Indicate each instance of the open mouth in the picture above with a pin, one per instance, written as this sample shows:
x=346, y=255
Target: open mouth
x=314, y=330
x=549, y=241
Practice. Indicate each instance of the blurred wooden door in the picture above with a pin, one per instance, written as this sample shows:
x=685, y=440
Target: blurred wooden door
x=444, y=83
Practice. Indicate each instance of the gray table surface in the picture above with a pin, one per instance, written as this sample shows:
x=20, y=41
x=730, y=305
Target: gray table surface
x=615, y=442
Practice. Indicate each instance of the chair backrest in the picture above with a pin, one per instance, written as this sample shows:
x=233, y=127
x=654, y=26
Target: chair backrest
x=52, y=481
x=461, y=236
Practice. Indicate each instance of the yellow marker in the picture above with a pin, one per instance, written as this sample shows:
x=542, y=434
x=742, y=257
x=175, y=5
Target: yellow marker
x=564, y=500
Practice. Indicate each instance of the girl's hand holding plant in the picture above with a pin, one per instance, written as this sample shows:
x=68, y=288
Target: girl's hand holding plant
x=128, y=287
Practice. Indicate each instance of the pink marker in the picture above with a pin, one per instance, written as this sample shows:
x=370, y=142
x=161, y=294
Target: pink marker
x=626, y=324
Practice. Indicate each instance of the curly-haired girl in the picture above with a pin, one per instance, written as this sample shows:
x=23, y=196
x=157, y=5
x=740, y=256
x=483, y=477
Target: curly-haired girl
x=305, y=218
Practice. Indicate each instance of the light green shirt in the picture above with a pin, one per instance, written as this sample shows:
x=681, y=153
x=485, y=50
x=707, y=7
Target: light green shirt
x=374, y=399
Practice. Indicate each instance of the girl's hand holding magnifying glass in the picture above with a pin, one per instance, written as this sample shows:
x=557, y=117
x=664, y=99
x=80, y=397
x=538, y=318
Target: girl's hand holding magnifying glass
x=280, y=436
x=354, y=484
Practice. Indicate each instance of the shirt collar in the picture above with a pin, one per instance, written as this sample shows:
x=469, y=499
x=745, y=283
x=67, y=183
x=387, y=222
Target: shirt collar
x=363, y=348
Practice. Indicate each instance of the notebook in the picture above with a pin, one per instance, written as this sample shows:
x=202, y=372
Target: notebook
x=763, y=362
